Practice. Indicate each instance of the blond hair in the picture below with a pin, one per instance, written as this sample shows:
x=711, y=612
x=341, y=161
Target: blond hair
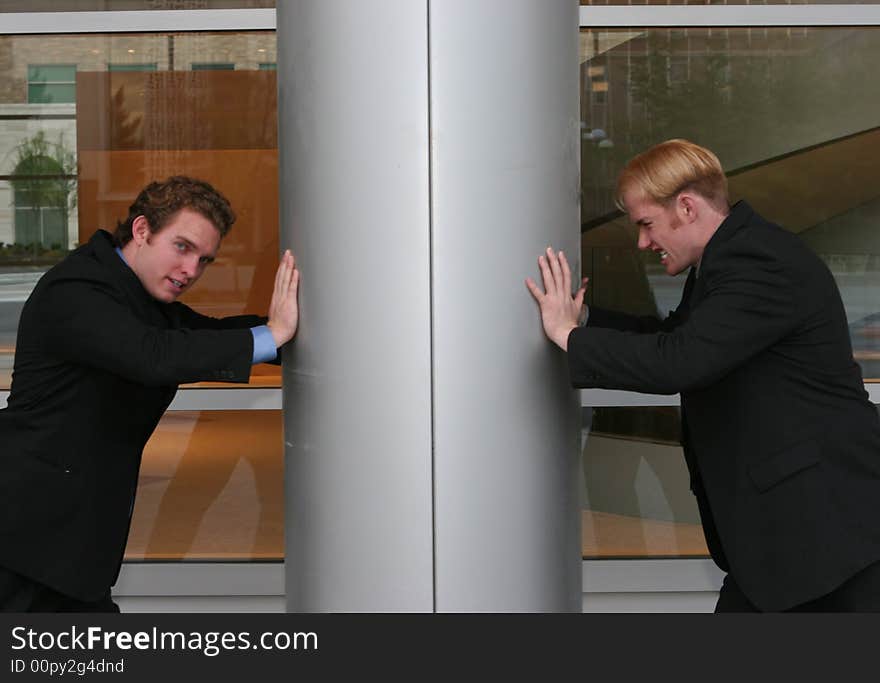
x=666, y=169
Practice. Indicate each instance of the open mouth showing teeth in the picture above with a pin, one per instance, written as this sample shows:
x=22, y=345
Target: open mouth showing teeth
x=663, y=255
x=176, y=283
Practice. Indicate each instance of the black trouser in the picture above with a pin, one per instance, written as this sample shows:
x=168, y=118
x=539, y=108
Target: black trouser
x=20, y=594
x=859, y=593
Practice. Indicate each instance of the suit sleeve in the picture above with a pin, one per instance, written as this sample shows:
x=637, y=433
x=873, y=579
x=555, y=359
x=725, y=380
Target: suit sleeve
x=90, y=323
x=184, y=316
x=643, y=324
x=187, y=317
x=749, y=303
x=615, y=320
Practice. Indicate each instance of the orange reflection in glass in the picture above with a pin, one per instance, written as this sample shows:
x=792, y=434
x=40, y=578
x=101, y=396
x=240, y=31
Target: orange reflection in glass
x=220, y=126
x=211, y=487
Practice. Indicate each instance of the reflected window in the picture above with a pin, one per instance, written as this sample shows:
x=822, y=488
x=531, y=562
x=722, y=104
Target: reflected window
x=134, y=66
x=43, y=183
x=213, y=66
x=37, y=224
x=51, y=83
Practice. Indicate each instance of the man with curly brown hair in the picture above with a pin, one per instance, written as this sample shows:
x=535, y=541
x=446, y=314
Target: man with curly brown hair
x=102, y=345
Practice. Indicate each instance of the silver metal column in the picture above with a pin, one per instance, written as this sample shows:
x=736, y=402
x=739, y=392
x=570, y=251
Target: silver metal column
x=505, y=179
x=353, y=131
x=429, y=152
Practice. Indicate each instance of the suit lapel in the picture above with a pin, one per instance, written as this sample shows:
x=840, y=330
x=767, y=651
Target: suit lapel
x=697, y=291
x=688, y=290
x=143, y=305
x=740, y=214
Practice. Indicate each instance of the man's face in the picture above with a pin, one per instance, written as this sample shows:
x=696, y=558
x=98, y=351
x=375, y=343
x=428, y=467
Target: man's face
x=662, y=231
x=170, y=261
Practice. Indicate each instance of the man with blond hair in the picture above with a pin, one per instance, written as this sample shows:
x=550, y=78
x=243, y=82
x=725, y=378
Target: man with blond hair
x=781, y=441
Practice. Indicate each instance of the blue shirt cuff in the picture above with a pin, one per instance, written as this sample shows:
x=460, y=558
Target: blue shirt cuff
x=264, y=344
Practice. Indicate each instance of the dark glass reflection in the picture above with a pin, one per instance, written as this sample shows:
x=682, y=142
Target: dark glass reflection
x=763, y=100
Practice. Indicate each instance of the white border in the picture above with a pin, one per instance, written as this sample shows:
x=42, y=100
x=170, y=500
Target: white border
x=633, y=16
x=138, y=21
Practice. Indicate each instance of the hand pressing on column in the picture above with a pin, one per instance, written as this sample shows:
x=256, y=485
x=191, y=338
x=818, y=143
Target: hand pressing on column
x=284, y=307
x=560, y=311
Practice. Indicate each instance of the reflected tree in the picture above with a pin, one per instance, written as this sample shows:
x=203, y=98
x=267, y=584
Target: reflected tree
x=44, y=192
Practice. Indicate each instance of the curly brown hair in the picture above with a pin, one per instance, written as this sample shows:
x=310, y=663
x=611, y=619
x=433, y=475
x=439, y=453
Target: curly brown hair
x=158, y=202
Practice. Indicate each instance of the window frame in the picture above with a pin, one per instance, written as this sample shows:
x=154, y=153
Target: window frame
x=31, y=82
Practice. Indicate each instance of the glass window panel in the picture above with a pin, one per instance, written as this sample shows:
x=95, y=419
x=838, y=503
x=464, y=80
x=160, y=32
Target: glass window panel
x=54, y=228
x=760, y=99
x=18, y=276
x=134, y=66
x=27, y=226
x=211, y=487
x=118, y=131
x=58, y=73
x=211, y=484
x=25, y=196
x=50, y=93
x=637, y=500
x=213, y=66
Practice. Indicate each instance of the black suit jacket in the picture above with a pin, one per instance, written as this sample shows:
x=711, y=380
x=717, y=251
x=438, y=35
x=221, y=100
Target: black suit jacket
x=97, y=362
x=782, y=444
